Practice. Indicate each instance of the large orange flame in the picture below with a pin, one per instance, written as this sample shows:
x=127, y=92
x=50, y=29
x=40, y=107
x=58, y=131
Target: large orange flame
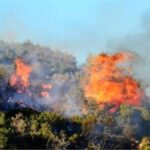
x=21, y=76
x=107, y=82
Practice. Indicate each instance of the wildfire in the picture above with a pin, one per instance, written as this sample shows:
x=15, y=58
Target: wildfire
x=45, y=90
x=109, y=83
x=20, y=79
x=46, y=86
x=21, y=76
x=44, y=94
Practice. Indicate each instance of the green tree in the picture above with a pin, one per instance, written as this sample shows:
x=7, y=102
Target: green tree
x=145, y=143
x=125, y=111
x=3, y=131
x=19, y=123
x=33, y=125
x=145, y=113
x=60, y=142
x=88, y=123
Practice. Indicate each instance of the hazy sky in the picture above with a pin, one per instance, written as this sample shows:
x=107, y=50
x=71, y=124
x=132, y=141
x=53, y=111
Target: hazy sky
x=79, y=27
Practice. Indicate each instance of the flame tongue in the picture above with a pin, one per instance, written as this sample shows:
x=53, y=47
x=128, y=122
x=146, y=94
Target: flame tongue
x=107, y=82
x=20, y=78
x=45, y=90
x=46, y=86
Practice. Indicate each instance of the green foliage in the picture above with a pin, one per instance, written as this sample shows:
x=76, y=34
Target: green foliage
x=2, y=119
x=145, y=113
x=3, y=131
x=125, y=111
x=145, y=143
x=50, y=130
x=59, y=142
x=45, y=131
x=33, y=126
x=3, y=73
x=93, y=146
x=108, y=120
x=88, y=123
x=77, y=119
x=50, y=117
x=19, y=123
x=3, y=137
x=73, y=138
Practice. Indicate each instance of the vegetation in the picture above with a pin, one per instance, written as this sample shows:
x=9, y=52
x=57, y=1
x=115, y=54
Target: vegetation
x=63, y=126
x=26, y=128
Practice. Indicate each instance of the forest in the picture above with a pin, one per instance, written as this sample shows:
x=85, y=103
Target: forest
x=47, y=101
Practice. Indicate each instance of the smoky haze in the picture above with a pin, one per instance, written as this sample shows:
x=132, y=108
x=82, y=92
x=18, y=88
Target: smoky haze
x=139, y=44
x=48, y=67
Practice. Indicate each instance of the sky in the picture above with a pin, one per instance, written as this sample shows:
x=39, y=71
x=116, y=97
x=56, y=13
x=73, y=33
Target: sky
x=80, y=27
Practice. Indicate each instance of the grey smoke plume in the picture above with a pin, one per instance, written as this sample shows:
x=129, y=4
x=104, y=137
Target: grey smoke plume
x=136, y=123
x=139, y=44
x=48, y=67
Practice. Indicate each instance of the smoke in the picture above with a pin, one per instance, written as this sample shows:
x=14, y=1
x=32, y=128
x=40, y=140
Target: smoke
x=139, y=44
x=110, y=82
x=131, y=122
x=64, y=97
x=43, y=79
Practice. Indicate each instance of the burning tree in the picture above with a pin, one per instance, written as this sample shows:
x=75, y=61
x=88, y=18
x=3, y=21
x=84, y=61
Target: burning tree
x=109, y=82
x=46, y=105
x=20, y=79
